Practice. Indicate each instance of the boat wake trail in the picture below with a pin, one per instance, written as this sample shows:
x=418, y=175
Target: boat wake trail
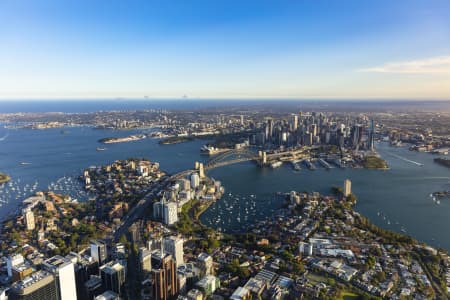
x=4, y=137
x=405, y=159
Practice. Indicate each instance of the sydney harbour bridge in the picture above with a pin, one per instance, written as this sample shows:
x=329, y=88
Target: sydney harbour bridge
x=234, y=156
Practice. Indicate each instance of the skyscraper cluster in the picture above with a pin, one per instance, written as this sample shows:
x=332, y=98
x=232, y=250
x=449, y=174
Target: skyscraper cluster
x=307, y=129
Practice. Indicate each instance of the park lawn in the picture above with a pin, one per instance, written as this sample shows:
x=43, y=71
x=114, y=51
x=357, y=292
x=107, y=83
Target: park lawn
x=346, y=295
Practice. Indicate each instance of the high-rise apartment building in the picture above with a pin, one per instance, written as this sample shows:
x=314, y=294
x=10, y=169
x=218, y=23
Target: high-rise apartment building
x=174, y=246
x=164, y=276
x=347, y=187
x=170, y=213
x=113, y=276
x=145, y=261
x=64, y=272
x=195, y=180
x=99, y=251
x=29, y=219
x=40, y=285
x=205, y=264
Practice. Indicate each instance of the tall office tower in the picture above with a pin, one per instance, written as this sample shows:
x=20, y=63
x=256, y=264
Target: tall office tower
x=13, y=261
x=341, y=141
x=284, y=137
x=64, y=272
x=347, y=187
x=85, y=266
x=92, y=288
x=145, y=261
x=309, y=139
x=356, y=135
x=113, y=276
x=269, y=129
x=260, y=139
x=195, y=180
x=39, y=285
x=314, y=129
x=28, y=216
x=242, y=119
x=164, y=276
x=99, y=251
x=294, y=122
x=174, y=246
x=170, y=213
x=372, y=136
x=205, y=264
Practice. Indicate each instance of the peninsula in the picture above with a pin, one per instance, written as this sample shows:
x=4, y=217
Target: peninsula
x=175, y=140
x=4, y=178
x=130, y=138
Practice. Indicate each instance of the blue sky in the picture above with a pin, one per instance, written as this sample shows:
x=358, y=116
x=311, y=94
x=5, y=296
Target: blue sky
x=225, y=49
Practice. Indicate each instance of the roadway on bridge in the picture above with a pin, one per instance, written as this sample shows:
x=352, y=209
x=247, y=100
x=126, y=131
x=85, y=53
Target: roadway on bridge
x=138, y=211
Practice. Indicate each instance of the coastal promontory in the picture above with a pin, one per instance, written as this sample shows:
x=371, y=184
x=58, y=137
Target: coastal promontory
x=4, y=178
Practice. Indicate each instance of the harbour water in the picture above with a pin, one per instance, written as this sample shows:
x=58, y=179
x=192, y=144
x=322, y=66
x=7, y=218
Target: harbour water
x=397, y=199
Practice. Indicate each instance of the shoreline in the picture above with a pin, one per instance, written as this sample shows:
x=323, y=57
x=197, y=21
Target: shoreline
x=130, y=138
x=4, y=178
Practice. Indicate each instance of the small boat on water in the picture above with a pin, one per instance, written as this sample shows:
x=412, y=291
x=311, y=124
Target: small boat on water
x=25, y=163
x=100, y=149
x=276, y=164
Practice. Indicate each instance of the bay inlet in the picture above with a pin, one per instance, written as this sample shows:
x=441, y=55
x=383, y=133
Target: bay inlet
x=396, y=199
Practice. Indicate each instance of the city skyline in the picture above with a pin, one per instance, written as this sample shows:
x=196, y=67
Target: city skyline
x=225, y=50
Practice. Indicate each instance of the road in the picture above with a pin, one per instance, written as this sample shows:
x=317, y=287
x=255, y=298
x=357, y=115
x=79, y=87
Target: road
x=138, y=211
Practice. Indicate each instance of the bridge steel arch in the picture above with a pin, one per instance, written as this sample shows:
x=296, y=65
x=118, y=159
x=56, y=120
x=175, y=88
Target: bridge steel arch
x=220, y=160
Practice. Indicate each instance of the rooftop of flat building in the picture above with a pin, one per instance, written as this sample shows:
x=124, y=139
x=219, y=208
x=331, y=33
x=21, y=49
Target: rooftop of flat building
x=32, y=279
x=112, y=267
x=21, y=267
x=108, y=295
x=93, y=281
x=97, y=242
x=56, y=261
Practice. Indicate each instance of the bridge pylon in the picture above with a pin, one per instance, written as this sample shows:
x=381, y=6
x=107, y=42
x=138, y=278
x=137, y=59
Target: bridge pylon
x=201, y=170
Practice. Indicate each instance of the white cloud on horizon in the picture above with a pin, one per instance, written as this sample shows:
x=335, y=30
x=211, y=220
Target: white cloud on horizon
x=433, y=65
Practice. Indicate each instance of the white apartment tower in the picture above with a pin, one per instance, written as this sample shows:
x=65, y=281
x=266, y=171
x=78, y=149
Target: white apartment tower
x=347, y=187
x=98, y=251
x=29, y=220
x=195, y=180
x=170, y=213
x=64, y=272
x=174, y=246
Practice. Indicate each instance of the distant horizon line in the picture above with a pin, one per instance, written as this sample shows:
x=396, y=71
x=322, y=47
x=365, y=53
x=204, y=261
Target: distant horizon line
x=250, y=99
